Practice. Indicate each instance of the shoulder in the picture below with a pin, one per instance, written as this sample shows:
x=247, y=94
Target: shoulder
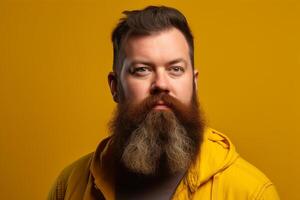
x=247, y=181
x=73, y=179
x=82, y=163
x=232, y=175
x=76, y=170
x=78, y=167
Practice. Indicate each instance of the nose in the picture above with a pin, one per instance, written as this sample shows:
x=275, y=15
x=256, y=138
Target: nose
x=160, y=83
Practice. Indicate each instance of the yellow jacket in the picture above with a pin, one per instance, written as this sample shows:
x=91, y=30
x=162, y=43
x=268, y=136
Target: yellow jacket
x=219, y=173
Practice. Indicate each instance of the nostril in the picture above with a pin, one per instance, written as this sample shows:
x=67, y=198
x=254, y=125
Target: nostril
x=157, y=90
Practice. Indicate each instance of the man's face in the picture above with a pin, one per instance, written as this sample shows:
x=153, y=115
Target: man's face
x=157, y=123
x=157, y=63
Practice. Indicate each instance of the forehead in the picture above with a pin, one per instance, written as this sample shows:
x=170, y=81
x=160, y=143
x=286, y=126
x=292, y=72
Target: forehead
x=160, y=47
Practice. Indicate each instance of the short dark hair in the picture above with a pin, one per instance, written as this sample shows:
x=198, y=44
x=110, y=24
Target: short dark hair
x=151, y=19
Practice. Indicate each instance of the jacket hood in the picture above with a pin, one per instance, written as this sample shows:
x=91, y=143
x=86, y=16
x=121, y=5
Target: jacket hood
x=216, y=154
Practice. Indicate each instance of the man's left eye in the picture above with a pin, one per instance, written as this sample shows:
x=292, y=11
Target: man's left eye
x=176, y=70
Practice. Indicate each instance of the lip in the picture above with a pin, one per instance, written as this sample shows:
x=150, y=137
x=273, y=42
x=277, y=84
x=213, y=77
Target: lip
x=160, y=105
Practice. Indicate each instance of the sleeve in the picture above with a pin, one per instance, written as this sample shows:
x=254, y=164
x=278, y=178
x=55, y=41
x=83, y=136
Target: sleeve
x=269, y=193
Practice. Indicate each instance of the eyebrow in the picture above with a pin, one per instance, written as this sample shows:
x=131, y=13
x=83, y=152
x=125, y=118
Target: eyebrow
x=178, y=60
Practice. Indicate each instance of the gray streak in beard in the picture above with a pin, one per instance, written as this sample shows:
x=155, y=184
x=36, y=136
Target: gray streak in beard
x=159, y=134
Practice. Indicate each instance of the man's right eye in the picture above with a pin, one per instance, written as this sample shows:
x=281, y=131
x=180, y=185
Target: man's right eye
x=140, y=71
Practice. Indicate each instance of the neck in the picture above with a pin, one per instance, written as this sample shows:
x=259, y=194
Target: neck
x=130, y=185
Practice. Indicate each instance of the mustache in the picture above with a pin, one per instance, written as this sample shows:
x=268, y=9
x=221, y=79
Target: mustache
x=143, y=108
x=136, y=113
x=150, y=102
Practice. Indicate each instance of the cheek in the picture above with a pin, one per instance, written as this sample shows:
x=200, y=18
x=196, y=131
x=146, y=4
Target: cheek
x=135, y=90
x=184, y=90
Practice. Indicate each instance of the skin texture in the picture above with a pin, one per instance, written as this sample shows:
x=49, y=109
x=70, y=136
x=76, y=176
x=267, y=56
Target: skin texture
x=156, y=63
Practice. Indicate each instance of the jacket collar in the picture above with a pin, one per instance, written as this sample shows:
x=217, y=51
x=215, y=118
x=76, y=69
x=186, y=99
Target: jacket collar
x=102, y=169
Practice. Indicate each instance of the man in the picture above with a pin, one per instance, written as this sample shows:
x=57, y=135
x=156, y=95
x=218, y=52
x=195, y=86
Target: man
x=160, y=147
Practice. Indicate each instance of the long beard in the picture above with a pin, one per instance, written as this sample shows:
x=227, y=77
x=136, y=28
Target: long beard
x=146, y=141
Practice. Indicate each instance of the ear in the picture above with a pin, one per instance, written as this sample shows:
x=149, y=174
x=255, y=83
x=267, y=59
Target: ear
x=196, y=79
x=113, y=85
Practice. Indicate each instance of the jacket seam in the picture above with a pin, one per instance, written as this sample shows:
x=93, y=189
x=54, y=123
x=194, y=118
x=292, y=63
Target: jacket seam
x=261, y=190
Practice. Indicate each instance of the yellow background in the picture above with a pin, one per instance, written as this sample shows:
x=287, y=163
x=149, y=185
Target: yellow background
x=55, y=102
